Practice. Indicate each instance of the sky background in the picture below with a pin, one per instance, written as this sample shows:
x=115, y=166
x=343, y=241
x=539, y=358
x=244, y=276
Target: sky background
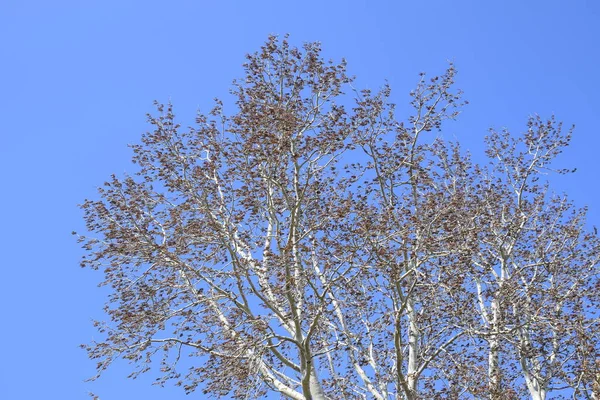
x=78, y=77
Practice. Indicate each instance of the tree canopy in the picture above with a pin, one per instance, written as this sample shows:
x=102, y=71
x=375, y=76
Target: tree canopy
x=316, y=245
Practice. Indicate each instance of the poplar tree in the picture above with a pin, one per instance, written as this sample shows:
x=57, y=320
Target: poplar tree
x=316, y=245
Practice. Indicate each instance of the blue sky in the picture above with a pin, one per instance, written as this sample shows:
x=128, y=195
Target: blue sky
x=77, y=78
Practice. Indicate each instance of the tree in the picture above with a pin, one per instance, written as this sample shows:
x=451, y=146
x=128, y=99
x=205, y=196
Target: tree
x=322, y=249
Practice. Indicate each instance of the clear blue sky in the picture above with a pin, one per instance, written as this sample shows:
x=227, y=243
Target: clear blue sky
x=77, y=77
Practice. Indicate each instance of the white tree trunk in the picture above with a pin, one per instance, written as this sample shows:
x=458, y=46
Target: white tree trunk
x=413, y=349
x=537, y=393
x=536, y=389
x=494, y=355
x=316, y=390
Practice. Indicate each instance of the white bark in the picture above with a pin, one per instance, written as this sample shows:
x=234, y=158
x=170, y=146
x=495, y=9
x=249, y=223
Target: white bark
x=316, y=390
x=413, y=348
x=494, y=354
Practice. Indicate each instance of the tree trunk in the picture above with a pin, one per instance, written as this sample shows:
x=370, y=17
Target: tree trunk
x=494, y=356
x=413, y=350
x=316, y=390
x=535, y=389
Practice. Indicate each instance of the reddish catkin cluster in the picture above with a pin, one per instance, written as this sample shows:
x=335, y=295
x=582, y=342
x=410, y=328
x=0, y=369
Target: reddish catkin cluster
x=313, y=245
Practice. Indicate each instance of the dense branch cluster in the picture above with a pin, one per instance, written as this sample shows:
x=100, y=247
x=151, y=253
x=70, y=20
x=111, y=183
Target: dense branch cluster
x=314, y=245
